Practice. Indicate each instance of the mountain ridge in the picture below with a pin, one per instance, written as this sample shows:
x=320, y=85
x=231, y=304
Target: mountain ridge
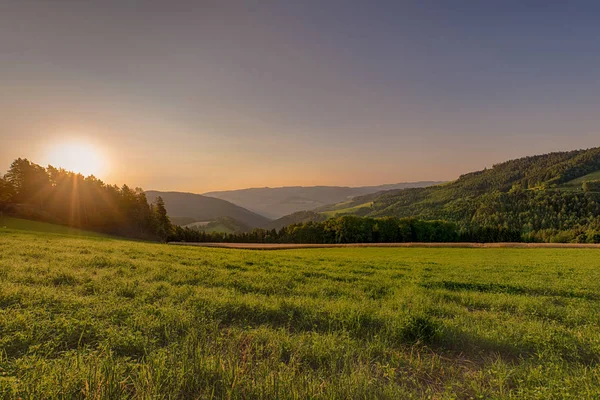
x=530, y=194
x=192, y=207
x=277, y=202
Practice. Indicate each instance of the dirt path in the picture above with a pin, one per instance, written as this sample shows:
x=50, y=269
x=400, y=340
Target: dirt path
x=276, y=246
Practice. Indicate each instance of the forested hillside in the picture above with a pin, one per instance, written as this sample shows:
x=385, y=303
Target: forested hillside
x=281, y=201
x=533, y=195
x=198, y=208
x=552, y=197
x=299, y=217
x=63, y=197
x=221, y=224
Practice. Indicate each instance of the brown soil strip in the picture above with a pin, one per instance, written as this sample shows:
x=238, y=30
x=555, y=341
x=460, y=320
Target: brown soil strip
x=277, y=246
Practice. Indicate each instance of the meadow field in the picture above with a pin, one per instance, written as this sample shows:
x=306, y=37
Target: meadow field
x=102, y=318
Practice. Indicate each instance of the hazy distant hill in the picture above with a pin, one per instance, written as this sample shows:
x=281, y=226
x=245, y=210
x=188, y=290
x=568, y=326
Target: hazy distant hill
x=189, y=207
x=221, y=224
x=526, y=194
x=296, y=218
x=278, y=202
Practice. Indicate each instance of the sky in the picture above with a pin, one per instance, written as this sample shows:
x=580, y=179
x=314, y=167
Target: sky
x=213, y=95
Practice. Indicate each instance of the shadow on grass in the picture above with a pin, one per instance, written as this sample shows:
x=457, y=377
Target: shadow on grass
x=508, y=289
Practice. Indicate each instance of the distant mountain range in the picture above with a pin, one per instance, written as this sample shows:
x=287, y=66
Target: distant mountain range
x=270, y=208
x=277, y=202
x=541, y=194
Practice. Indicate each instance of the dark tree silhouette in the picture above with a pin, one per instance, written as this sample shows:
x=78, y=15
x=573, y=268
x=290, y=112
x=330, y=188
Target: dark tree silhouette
x=59, y=196
x=162, y=222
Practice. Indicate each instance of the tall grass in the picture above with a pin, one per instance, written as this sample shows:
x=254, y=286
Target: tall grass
x=109, y=319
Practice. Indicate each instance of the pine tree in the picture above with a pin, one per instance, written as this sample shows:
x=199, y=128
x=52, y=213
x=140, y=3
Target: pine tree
x=163, y=224
x=6, y=192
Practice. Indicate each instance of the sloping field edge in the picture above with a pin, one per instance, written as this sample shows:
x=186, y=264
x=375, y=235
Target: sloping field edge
x=276, y=246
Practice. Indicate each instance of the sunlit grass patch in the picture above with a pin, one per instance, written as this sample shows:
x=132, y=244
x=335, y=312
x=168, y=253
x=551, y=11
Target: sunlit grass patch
x=103, y=318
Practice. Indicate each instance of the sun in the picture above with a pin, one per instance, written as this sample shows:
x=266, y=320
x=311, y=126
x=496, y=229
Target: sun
x=77, y=157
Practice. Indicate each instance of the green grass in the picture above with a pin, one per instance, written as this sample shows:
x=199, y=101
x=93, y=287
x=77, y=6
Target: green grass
x=211, y=227
x=35, y=226
x=347, y=210
x=103, y=318
x=579, y=181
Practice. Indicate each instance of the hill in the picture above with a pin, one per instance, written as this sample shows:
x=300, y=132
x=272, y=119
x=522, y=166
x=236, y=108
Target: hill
x=527, y=194
x=577, y=183
x=20, y=224
x=221, y=225
x=278, y=202
x=189, y=206
x=299, y=217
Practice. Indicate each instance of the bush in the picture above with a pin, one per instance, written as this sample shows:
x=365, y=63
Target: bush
x=591, y=186
x=421, y=329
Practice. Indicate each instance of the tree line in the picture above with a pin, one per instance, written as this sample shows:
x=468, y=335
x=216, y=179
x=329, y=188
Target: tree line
x=354, y=229
x=58, y=196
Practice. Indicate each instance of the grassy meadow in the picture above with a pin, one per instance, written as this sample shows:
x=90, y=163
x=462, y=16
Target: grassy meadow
x=102, y=318
x=589, y=177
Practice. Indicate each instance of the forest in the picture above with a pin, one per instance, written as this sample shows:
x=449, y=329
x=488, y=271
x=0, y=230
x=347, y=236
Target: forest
x=353, y=229
x=58, y=196
x=546, y=198
x=532, y=199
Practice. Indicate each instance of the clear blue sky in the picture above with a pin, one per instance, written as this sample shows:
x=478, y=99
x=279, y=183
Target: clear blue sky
x=207, y=95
